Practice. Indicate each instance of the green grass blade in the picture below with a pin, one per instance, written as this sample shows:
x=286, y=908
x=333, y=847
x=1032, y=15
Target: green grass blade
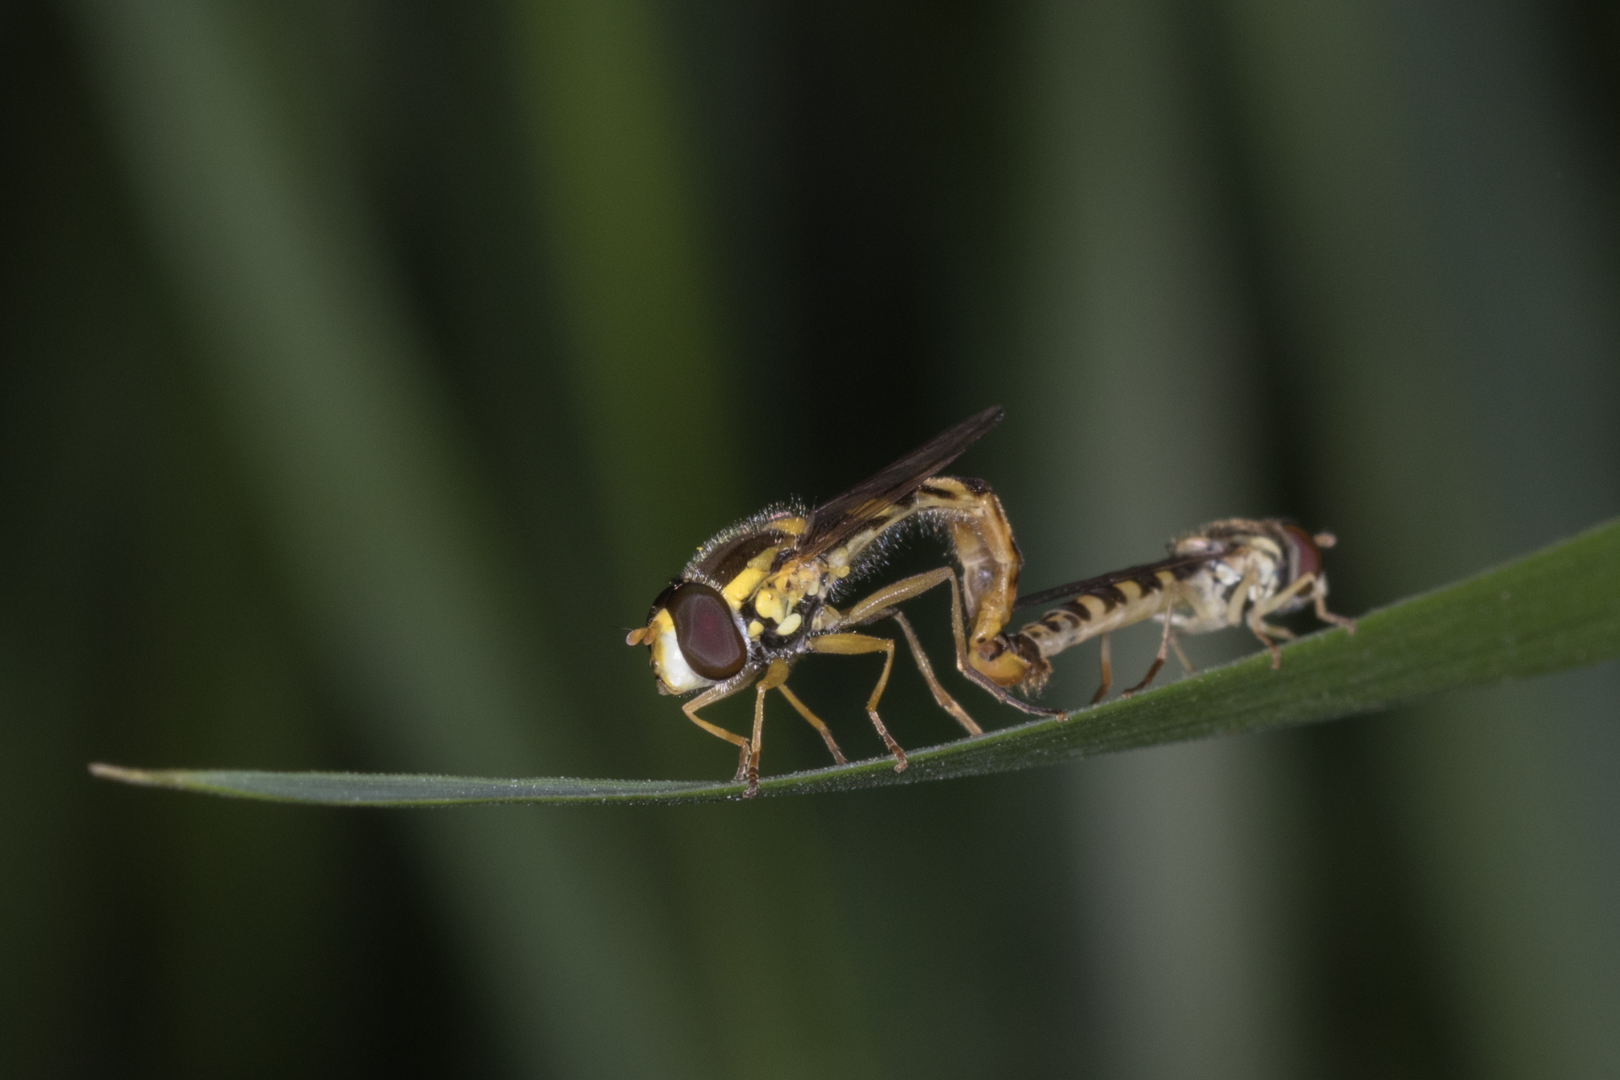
x=1554, y=610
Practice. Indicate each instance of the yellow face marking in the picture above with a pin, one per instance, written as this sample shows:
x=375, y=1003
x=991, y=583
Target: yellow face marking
x=756, y=628
x=789, y=624
x=668, y=663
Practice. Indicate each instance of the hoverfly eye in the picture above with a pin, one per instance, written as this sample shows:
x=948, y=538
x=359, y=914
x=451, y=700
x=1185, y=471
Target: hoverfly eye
x=1308, y=557
x=705, y=632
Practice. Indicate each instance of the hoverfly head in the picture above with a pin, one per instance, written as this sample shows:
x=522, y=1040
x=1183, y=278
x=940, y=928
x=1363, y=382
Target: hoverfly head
x=693, y=637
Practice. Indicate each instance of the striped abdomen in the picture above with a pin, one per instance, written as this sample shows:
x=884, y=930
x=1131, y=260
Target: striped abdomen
x=1096, y=607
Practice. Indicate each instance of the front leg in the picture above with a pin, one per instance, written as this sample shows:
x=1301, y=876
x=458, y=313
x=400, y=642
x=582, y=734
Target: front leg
x=709, y=697
x=775, y=676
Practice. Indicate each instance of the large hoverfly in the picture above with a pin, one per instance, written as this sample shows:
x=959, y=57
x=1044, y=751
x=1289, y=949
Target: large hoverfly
x=761, y=594
x=1229, y=573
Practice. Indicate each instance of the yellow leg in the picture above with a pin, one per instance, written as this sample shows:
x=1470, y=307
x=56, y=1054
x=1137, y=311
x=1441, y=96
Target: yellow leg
x=815, y=722
x=775, y=676
x=709, y=697
x=856, y=645
x=1107, y=665
x=873, y=608
x=941, y=698
x=965, y=666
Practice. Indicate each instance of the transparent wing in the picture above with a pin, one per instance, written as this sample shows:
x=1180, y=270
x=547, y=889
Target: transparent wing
x=1146, y=570
x=839, y=517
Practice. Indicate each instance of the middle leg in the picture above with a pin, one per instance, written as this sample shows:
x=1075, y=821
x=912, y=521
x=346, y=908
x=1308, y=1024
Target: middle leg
x=1158, y=661
x=855, y=645
x=874, y=607
x=1106, y=663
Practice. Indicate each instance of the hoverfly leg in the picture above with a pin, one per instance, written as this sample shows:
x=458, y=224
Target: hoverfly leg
x=1163, y=654
x=1186, y=665
x=756, y=743
x=1106, y=663
x=877, y=605
x=880, y=605
x=815, y=722
x=958, y=624
x=856, y=645
x=775, y=676
x=941, y=698
x=1269, y=636
x=1329, y=617
x=709, y=697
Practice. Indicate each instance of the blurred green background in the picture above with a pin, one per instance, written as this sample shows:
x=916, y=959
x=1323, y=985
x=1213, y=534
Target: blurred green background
x=367, y=368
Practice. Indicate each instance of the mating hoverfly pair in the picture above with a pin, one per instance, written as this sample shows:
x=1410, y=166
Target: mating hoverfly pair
x=760, y=595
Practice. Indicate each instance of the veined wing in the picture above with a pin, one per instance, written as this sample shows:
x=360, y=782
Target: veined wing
x=1096, y=584
x=836, y=519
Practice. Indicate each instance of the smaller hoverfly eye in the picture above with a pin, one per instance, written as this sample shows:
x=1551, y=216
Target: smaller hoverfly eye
x=1308, y=556
x=705, y=632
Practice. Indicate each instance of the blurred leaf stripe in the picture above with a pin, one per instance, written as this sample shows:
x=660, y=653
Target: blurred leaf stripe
x=615, y=152
x=320, y=370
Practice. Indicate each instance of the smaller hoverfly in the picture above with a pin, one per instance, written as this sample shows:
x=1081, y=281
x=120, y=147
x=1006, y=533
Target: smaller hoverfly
x=1229, y=573
x=759, y=596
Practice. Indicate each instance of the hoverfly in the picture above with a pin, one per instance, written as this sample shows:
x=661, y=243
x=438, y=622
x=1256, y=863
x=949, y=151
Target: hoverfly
x=759, y=596
x=1229, y=573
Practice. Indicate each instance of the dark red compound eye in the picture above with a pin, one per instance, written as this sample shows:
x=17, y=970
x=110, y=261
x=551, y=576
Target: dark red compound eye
x=705, y=632
x=1308, y=558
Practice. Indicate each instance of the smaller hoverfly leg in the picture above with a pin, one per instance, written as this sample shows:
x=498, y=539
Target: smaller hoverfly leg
x=856, y=645
x=1158, y=661
x=1268, y=633
x=1239, y=598
x=1329, y=617
x=1106, y=663
x=1186, y=665
x=1269, y=636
